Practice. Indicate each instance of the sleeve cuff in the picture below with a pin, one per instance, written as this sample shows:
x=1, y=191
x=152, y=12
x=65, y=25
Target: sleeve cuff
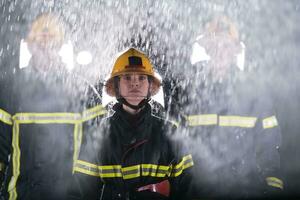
x=274, y=182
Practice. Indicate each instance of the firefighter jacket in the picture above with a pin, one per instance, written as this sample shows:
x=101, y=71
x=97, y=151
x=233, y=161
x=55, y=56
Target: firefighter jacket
x=41, y=128
x=234, y=130
x=127, y=153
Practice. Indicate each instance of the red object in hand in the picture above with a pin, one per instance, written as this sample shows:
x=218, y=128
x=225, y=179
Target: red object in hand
x=162, y=188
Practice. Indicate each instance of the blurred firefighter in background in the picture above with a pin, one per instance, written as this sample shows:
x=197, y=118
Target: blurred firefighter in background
x=42, y=119
x=131, y=155
x=230, y=119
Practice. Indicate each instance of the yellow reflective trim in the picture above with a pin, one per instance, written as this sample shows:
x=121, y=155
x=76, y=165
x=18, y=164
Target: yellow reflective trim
x=202, y=120
x=117, y=173
x=237, y=121
x=5, y=117
x=135, y=175
x=270, y=122
x=277, y=185
x=85, y=171
x=182, y=165
x=156, y=173
x=103, y=167
x=16, y=163
x=110, y=175
x=185, y=158
x=44, y=118
x=131, y=171
x=134, y=167
x=190, y=164
x=153, y=174
x=274, y=182
x=93, y=113
x=81, y=162
x=77, y=142
x=151, y=166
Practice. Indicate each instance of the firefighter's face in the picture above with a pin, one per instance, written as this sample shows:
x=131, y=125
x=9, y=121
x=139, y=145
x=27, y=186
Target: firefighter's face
x=44, y=43
x=134, y=87
x=222, y=50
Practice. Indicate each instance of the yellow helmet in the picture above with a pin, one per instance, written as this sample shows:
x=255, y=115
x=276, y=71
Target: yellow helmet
x=222, y=24
x=46, y=30
x=130, y=61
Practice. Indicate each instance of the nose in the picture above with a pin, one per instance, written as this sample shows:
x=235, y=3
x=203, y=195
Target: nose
x=135, y=81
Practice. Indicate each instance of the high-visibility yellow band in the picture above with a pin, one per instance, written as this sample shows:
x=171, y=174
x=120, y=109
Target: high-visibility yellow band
x=186, y=162
x=85, y=171
x=134, y=167
x=77, y=135
x=15, y=163
x=237, y=121
x=106, y=171
x=42, y=118
x=93, y=113
x=151, y=166
x=274, y=182
x=111, y=175
x=270, y=122
x=112, y=167
x=130, y=172
x=84, y=163
x=5, y=117
x=202, y=120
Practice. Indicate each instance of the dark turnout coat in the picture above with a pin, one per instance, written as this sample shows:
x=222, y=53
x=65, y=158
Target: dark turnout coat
x=41, y=135
x=127, y=152
x=234, y=129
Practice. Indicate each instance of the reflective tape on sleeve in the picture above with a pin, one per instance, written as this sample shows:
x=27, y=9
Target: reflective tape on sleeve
x=274, y=182
x=202, y=120
x=270, y=122
x=93, y=113
x=186, y=162
x=5, y=117
x=237, y=121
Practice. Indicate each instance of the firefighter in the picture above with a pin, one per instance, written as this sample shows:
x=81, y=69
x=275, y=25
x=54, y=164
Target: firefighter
x=41, y=126
x=230, y=120
x=131, y=155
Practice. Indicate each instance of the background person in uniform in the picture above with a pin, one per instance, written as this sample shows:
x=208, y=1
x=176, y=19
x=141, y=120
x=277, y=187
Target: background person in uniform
x=230, y=120
x=131, y=155
x=43, y=121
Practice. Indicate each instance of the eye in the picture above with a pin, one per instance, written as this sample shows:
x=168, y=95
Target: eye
x=142, y=77
x=127, y=77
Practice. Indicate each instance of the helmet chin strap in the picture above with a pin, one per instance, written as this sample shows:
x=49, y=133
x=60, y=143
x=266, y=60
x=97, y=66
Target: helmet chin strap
x=134, y=107
x=122, y=100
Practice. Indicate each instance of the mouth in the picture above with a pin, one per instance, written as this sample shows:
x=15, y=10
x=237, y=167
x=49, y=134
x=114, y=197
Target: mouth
x=134, y=91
